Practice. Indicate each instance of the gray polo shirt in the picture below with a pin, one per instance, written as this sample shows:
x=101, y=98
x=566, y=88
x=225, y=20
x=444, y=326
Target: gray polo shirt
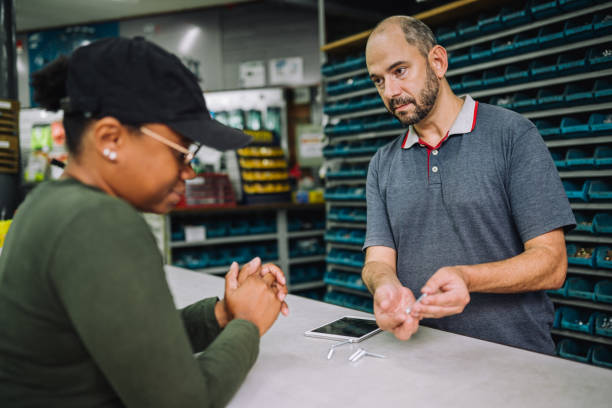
x=486, y=189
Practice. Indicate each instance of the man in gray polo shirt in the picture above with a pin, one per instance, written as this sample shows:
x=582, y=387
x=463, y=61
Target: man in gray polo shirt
x=466, y=207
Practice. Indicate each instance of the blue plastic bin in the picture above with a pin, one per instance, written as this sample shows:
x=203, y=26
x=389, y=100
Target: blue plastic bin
x=573, y=259
x=602, y=253
x=467, y=29
x=543, y=67
x=502, y=47
x=578, y=320
x=459, y=58
x=574, y=350
x=600, y=57
x=544, y=8
x=525, y=42
x=493, y=77
x=580, y=158
x=600, y=190
x=603, y=324
x=576, y=190
x=515, y=15
x=524, y=102
x=603, y=157
x=548, y=129
x=602, y=90
x=578, y=28
x=549, y=36
x=456, y=86
x=573, y=4
x=601, y=356
x=572, y=126
x=584, y=222
x=602, y=23
x=600, y=123
x=480, y=52
x=471, y=81
x=517, y=73
x=602, y=223
x=603, y=291
x=577, y=94
x=571, y=63
x=488, y=23
x=581, y=288
x=446, y=35
x=506, y=101
x=558, y=158
x=550, y=97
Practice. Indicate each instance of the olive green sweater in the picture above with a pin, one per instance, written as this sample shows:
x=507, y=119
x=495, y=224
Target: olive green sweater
x=87, y=319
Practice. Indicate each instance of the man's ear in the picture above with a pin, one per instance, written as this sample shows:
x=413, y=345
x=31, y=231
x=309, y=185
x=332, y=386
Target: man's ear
x=109, y=136
x=438, y=60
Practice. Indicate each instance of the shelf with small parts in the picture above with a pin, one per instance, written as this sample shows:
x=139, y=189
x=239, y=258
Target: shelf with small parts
x=208, y=240
x=588, y=70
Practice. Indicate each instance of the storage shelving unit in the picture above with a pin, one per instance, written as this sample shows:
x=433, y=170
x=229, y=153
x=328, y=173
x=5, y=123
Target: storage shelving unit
x=554, y=67
x=275, y=230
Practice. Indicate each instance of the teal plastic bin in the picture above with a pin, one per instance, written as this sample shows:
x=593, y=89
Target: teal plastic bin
x=603, y=291
x=603, y=157
x=602, y=223
x=577, y=191
x=578, y=320
x=600, y=190
x=575, y=350
x=584, y=222
x=562, y=291
x=581, y=288
x=603, y=324
x=580, y=158
x=601, y=356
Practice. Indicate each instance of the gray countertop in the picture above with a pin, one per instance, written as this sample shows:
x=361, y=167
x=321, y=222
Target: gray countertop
x=432, y=369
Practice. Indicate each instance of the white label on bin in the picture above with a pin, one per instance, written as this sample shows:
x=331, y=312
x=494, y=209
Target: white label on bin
x=5, y=105
x=195, y=233
x=5, y=144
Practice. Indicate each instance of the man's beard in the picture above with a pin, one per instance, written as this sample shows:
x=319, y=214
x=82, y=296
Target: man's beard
x=427, y=99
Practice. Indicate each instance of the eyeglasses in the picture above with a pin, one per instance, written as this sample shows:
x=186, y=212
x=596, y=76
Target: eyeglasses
x=186, y=155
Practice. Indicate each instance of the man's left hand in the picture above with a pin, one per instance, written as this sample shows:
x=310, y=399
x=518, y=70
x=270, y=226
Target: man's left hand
x=447, y=294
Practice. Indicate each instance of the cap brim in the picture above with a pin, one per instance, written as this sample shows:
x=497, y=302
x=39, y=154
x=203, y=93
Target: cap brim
x=211, y=133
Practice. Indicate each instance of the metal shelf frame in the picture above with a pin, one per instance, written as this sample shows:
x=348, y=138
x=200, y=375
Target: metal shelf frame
x=579, y=141
x=591, y=206
x=367, y=135
x=582, y=336
x=307, y=259
x=585, y=173
x=348, y=203
x=345, y=182
x=606, y=273
x=567, y=111
x=350, y=247
x=224, y=240
x=589, y=238
x=346, y=224
x=606, y=307
x=305, y=234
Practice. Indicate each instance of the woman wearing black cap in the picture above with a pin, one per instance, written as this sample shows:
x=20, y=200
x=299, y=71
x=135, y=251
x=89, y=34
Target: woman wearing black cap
x=86, y=315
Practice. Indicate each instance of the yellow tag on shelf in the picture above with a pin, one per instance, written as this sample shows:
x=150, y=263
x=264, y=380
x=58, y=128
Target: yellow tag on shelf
x=4, y=226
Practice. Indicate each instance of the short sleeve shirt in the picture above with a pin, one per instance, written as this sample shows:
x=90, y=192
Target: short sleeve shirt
x=477, y=197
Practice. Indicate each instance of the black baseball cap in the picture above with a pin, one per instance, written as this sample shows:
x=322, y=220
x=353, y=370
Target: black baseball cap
x=138, y=82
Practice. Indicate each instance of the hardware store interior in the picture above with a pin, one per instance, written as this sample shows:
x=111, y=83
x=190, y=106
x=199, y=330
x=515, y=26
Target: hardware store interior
x=442, y=177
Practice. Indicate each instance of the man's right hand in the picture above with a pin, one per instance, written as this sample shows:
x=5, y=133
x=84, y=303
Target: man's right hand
x=390, y=303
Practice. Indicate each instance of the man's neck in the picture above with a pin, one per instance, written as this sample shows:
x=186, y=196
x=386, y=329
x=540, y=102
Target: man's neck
x=436, y=125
